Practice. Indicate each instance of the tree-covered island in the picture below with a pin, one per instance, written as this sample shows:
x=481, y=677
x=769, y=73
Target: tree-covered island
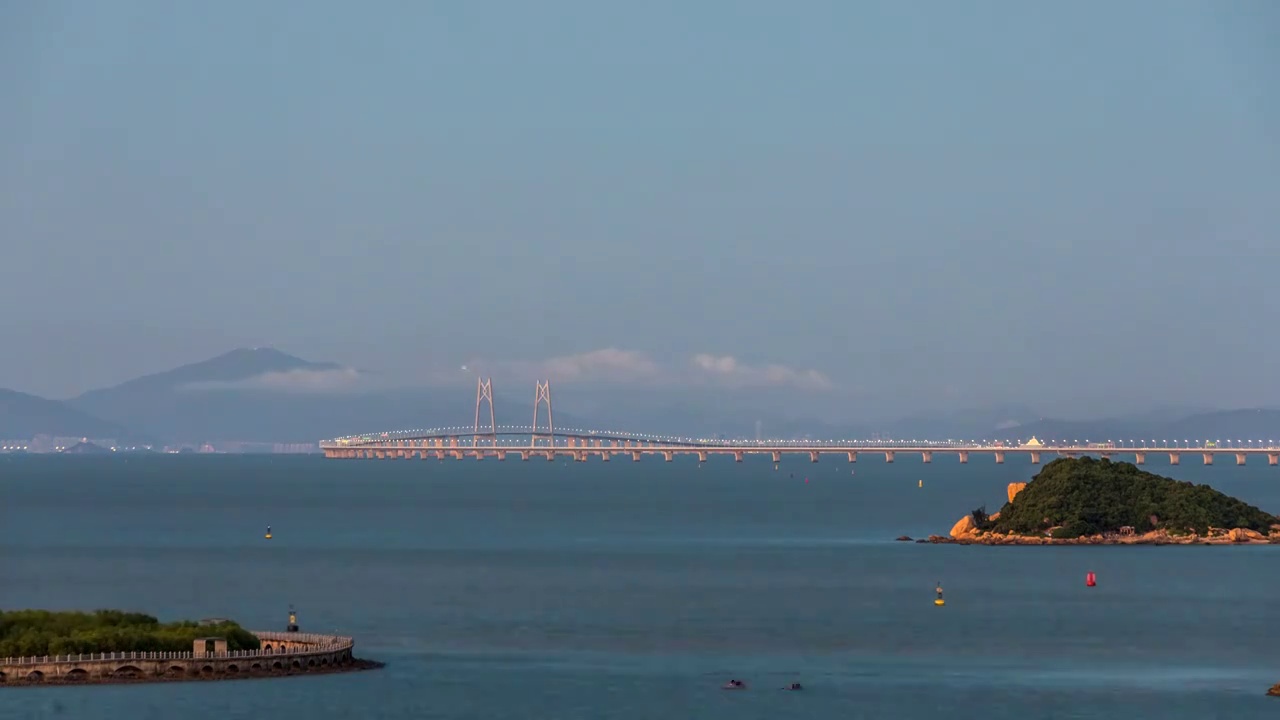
x=1090, y=501
x=27, y=633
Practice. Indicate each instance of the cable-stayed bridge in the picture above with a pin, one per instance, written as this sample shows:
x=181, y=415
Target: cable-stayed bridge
x=542, y=439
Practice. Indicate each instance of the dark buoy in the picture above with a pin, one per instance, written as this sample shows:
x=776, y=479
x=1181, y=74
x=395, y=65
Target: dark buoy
x=293, y=621
x=1090, y=580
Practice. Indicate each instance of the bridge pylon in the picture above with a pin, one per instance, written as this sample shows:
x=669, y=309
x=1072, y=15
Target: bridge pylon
x=542, y=394
x=484, y=393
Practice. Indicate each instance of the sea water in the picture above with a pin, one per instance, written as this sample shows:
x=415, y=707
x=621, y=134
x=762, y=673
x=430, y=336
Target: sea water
x=635, y=590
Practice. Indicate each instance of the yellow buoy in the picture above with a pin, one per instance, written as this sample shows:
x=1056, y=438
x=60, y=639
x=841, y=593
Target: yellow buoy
x=920, y=483
x=268, y=535
x=939, y=602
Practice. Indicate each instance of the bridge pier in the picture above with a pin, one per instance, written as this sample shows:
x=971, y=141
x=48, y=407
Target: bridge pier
x=1240, y=458
x=1035, y=458
x=777, y=457
x=1139, y=458
x=999, y=457
x=1208, y=458
x=888, y=456
x=737, y=456
x=1273, y=458
x=702, y=456
x=635, y=456
x=813, y=457
x=1174, y=458
x=853, y=456
x=524, y=455
x=605, y=456
x=667, y=455
x=964, y=457
x=926, y=456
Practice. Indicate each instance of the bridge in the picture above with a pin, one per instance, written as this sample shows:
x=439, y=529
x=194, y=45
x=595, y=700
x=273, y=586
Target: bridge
x=543, y=440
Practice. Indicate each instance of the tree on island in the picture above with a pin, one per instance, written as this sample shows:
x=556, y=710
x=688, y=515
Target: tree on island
x=26, y=633
x=1077, y=497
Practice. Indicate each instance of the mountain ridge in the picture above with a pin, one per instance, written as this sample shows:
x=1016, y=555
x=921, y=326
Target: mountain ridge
x=24, y=416
x=266, y=395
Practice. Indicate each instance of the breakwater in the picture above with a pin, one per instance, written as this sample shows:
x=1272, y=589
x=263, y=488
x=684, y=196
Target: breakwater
x=282, y=653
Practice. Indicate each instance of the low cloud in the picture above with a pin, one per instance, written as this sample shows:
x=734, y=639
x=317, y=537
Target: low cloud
x=732, y=371
x=605, y=364
x=300, y=380
x=614, y=365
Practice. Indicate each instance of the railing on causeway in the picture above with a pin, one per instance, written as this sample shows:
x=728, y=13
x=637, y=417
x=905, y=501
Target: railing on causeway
x=307, y=644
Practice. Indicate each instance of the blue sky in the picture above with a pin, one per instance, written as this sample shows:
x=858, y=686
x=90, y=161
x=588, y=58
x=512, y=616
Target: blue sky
x=914, y=205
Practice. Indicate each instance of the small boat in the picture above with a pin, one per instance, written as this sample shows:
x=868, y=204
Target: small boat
x=734, y=685
x=794, y=687
x=268, y=535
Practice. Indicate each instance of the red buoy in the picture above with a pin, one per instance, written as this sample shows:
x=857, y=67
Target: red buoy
x=1090, y=579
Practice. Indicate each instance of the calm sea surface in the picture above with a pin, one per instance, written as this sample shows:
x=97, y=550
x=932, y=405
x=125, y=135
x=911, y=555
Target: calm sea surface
x=633, y=590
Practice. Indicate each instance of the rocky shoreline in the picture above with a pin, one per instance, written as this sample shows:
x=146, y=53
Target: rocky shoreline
x=356, y=665
x=1153, y=538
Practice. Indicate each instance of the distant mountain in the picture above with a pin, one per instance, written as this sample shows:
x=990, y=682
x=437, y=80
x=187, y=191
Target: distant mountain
x=24, y=416
x=226, y=370
x=961, y=424
x=1255, y=424
x=266, y=395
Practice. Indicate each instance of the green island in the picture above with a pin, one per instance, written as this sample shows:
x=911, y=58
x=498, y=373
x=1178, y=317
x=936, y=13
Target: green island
x=28, y=633
x=1087, y=501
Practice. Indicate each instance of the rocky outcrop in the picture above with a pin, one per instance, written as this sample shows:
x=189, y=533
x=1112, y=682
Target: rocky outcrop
x=964, y=527
x=966, y=532
x=1242, y=535
x=1275, y=690
x=1014, y=489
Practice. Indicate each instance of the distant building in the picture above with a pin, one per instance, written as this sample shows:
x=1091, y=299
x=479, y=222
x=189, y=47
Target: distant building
x=1033, y=443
